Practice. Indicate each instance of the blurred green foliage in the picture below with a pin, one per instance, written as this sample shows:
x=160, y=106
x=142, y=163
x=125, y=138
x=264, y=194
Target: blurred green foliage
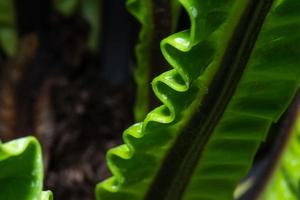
x=8, y=32
x=90, y=10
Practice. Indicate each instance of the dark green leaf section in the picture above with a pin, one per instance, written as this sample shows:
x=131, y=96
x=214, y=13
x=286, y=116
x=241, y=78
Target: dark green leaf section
x=91, y=11
x=21, y=171
x=285, y=181
x=8, y=32
x=158, y=19
x=67, y=7
x=228, y=134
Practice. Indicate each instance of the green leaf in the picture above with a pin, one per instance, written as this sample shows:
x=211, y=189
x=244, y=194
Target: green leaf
x=285, y=181
x=67, y=7
x=8, y=33
x=21, y=171
x=235, y=72
x=91, y=11
x=146, y=50
x=47, y=195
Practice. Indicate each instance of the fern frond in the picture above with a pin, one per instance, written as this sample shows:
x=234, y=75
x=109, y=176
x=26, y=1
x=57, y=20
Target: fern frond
x=235, y=72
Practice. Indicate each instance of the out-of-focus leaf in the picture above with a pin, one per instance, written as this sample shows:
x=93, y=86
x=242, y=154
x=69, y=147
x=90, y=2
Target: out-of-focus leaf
x=8, y=33
x=21, y=171
x=285, y=181
x=67, y=7
x=90, y=11
x=147, y=48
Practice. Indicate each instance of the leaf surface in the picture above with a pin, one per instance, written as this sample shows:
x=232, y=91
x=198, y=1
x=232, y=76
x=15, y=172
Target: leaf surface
x=21, y=171
x=235, y=72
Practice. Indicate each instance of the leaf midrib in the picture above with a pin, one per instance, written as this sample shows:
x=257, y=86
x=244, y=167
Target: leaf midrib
x=173, y=177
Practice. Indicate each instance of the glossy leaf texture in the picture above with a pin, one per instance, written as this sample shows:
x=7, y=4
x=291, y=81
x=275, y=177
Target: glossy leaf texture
x=8, y=32
x=21, y=171
x=144, y=12
x=285, y=182
x=235, y=72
